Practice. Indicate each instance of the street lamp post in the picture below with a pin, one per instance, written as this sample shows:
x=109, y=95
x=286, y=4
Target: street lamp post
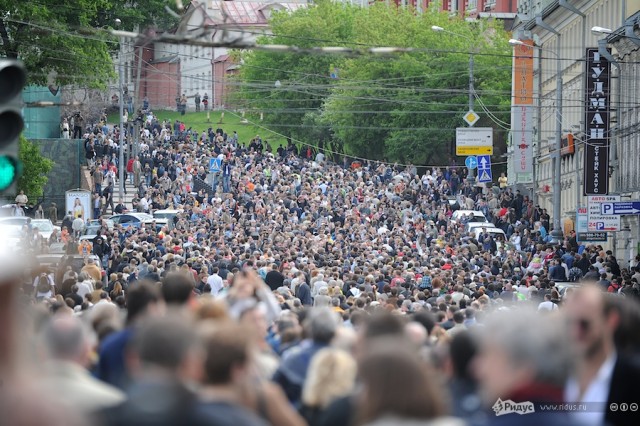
x=556, y=233
x=121, y=164
x=471, y=66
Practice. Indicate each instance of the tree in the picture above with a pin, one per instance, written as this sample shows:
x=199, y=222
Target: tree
x=401, y=107
x=304, y=79
x=63, y=41
x=35, y=168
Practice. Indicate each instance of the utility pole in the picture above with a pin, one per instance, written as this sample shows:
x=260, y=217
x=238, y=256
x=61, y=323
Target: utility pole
x=121, y=164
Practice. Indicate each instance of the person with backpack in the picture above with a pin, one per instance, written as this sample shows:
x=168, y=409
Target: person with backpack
x=44, y=286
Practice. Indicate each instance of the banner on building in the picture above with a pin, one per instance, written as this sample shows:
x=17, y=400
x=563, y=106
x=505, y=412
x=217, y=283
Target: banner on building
x=523, y=139
x=523, y=73
x=522, y=113
x=597, y=123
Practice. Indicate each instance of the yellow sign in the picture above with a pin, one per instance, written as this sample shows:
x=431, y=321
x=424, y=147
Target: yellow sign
x=471, y=118
x=474, y=150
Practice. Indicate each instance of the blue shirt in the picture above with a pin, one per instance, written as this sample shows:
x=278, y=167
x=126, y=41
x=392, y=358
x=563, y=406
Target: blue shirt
x=111, y=364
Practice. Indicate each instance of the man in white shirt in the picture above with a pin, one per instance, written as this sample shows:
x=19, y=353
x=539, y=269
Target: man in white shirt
x=215, y=281
x=547, y=305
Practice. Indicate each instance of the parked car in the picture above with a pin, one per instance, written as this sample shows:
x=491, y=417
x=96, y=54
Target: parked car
x=167, y=214
x=94, y=226
x=49, y=259
x=45, y=227
x=158, y=224
x=131, y=219
x=18, y=221
x=11, y=236
x=470, y=226
x=496, y=233
x=474, y=216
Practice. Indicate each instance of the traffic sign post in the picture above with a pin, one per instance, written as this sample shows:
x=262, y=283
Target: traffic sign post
x=625, y=207
x=471, y=162
x=471, y=117
x=474, y=141
x=598, y=221
x=484, y=168
x=214, y=165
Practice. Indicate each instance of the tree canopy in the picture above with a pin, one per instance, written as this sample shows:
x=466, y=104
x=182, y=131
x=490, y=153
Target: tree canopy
x=64, y=39
x=401, y=107
x=35, y=169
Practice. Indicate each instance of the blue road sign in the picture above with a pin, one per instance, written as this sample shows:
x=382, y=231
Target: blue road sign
x=624, y=207
x=484, y=168
x=471, y=162
x=214, y=165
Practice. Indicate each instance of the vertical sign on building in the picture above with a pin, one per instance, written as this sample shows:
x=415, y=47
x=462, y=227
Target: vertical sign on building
x=597, y=114
x=522, y=112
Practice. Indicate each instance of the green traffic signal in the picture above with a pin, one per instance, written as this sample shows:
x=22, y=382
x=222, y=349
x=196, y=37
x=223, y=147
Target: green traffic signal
x=9, y=171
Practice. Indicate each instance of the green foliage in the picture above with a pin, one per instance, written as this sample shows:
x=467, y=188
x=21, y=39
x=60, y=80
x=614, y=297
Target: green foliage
x=35, y=168
x=401, y=108
x=305, y=79
x=59, y=38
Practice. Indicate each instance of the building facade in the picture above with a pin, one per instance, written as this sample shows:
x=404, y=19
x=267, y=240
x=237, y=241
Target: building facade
x=563, y=28
x=625, y=42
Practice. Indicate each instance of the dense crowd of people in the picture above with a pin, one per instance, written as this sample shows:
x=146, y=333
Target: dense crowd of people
x=298, y=291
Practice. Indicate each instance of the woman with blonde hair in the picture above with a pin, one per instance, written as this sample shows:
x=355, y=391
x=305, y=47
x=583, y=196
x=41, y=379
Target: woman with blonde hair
x=117, y=291
x=331, y=375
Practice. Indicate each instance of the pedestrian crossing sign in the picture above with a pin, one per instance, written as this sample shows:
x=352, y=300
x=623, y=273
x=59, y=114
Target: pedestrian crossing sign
x=214, y=165
x=484, y=176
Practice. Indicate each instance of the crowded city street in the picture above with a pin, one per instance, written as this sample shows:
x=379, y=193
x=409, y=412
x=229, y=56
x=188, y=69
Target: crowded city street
x=212, y=268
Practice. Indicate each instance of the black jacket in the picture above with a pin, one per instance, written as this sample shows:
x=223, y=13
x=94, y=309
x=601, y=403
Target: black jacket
x=623, y=390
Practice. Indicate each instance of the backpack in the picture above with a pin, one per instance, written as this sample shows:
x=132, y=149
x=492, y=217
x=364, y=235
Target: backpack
x=44, y=286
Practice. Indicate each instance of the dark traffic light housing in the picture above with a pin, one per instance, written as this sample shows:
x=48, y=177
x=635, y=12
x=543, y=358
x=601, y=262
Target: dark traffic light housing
x=13, y=78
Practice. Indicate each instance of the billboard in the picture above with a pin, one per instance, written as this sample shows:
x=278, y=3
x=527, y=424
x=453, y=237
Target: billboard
x=78, y=202
x=597, y=123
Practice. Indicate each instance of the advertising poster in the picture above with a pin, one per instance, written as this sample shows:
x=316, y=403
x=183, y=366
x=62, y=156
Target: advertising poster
x=78, y=202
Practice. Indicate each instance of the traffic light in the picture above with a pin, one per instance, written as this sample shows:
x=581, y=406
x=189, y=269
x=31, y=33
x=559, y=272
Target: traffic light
x=12, y=80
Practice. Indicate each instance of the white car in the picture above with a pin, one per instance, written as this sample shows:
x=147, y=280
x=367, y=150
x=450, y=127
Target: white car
x=18, y=221
x=168, y=214
x=45, y=227
x=471, y=226
x=494, y=232
x=11, y=236
x=476, y=216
